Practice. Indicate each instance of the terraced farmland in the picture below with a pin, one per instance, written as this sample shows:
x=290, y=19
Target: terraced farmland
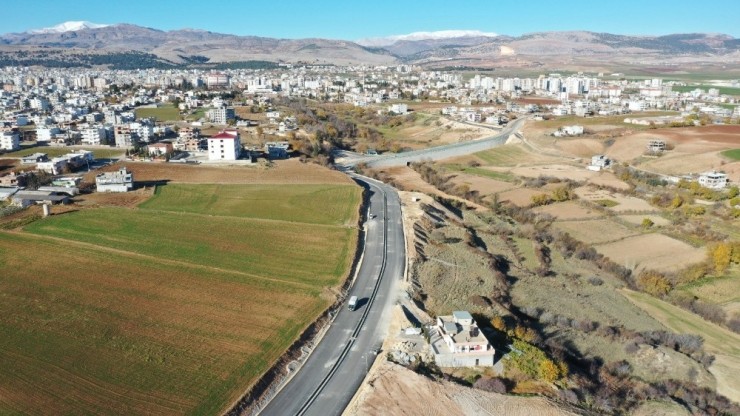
x=154, y=310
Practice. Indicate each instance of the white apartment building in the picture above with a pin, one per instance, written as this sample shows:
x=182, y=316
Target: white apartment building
x=221, y=115
x=46, y=134
x=226, y=145
x=9, y=140
x=92, y=135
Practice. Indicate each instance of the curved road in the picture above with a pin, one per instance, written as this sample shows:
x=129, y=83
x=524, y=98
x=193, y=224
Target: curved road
x=439, y=152
x=331, y=375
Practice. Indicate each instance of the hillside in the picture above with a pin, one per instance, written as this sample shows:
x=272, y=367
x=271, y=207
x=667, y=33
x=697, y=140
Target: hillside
x=548, y=49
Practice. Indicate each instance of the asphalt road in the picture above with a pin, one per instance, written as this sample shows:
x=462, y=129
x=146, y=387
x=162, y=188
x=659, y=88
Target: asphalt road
x=331, y=375
x=439, y=152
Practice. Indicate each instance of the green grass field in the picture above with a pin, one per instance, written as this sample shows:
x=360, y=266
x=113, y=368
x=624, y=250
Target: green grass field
x=499, y=176
x=317, y=204
x=722, y=90
x=733, y=154
x=504, y=156
x=314, y=254
x=155, y=311
x=166, y=113
x=89, y=331
x=53, y=151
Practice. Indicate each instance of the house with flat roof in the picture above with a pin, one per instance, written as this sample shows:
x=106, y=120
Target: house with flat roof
x=713, y=180
x=599, y=162
x=118, y=181
x=34, y=158
x=456, y=341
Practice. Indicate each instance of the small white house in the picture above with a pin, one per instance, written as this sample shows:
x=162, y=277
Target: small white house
x=713, y=180
x=599, y=162
x=400, y=109
x=119, y=181
x=568, y=131
x=457, y=341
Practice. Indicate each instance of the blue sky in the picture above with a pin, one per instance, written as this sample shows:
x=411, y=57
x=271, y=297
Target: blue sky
x=352, y=20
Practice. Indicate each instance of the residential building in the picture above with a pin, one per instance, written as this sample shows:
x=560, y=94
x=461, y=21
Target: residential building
x=47, y=134
x=92, y=135
x=13, y=179
x=398, y=109
x=119, y=181
x=125, y=136
x=277, y=150
x=9, y=140
x=457, y=341
x=713, y=180
x=226, y=145
x=54, y=166
x=221, y=115
x=599, y=162
x=656, y=146
x=34, y=158
x=160, y=149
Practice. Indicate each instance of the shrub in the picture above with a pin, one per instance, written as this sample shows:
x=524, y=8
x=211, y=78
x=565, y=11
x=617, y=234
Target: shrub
x=654, y=283
x=595, y=281
x=495, y=385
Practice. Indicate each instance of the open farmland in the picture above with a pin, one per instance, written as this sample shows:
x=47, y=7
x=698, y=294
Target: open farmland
x=153, y=310
x=314, y=254
x=724, y=344
x=164, y=113
x=595, y=231
x=117, y=333
x=318, y=204
x=652, y=251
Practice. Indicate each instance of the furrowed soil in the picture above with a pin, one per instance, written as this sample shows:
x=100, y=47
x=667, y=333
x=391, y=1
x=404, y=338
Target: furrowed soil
x=121, y=304
x=88, y=330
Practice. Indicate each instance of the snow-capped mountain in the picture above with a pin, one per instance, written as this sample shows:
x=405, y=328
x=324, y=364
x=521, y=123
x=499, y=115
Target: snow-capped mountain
x=71, y=26
x=438, y=35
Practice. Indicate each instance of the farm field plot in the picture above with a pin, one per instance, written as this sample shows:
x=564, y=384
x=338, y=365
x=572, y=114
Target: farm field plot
x=290, y=171
x=87, y=330
x=314, y=254
x=652, y=251
x=723, y=343
x=165, y=113
x=637, y=219
x=317, y=204
x=723, y=291
x=481, y=184
x=510, y=155
x=521, y=197
x=568, y=211
x=624, y=203
x=595, y=231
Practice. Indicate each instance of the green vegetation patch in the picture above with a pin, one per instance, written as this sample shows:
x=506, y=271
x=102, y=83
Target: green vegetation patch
x=478, y=171
x=316, y=204
x=504, y=156
x=606, y=203
x=733, y=154
x=134, y=335
x=27, y=150
x=165, y=113
x=722, y=90
x=313, y=254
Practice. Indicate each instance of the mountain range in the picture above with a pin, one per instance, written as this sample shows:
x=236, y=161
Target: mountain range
x=430, y=49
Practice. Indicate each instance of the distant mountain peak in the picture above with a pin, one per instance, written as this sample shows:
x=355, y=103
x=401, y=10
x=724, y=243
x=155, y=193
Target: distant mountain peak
x=440, y=34
x=70, y=26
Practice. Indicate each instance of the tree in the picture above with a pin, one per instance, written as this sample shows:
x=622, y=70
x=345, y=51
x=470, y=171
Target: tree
x=647, y=223
x=654, y=283
x=549, y=371
x=721, y=255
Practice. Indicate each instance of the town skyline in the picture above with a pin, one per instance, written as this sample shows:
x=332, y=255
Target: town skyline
x=333, y=20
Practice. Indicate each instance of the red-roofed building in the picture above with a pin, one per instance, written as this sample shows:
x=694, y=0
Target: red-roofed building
x=226, y=145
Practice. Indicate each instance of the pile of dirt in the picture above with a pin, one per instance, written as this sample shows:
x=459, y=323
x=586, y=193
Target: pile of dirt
x=393, y=389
